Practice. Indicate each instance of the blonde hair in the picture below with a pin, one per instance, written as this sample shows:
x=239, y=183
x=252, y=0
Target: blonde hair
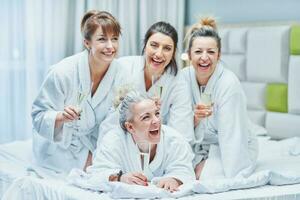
x=206, y=27
x=126, y=101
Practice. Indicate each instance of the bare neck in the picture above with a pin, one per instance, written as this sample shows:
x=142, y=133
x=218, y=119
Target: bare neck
x=201, y=80
x=98, y=70
x=148, y=75
x=153, y=152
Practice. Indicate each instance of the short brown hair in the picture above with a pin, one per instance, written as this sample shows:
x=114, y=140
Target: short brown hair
x=93, y=19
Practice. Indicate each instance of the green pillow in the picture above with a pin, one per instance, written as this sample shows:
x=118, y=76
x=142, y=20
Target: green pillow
x=277, y=97
x=295, y=40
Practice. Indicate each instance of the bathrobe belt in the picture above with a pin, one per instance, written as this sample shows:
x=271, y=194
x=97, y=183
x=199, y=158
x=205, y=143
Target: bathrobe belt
x=83, y=140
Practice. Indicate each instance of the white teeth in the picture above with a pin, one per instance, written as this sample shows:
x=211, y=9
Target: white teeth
x=158, y=61
x=108, y=53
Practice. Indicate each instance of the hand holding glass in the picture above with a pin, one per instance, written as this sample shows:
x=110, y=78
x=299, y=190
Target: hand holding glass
x=81, y=96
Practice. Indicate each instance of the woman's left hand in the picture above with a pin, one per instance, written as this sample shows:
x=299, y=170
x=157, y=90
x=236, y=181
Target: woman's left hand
x=170, y=184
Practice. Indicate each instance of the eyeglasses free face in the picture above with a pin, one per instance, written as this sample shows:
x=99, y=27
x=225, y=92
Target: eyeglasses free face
x=204, y=55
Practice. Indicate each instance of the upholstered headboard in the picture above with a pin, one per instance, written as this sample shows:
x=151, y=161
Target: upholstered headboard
x=266, y=59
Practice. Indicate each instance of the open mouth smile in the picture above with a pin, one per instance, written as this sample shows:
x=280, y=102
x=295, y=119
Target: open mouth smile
x=204, y=66
x=154, y=132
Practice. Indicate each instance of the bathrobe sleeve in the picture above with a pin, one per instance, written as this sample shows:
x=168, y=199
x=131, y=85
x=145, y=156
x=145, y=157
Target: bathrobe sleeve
x=181, y=113
x=178, y=163
x=49, y=102
x=108, y=158
x=233, y=135
x=110, y=122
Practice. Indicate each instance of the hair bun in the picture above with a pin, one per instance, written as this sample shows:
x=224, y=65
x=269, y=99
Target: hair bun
x=208, y=21
x=203, y=22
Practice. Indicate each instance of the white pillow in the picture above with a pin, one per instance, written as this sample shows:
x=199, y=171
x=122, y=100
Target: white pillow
x=236, y=63
x=237, y=40
x=268, y=54
x=282, y=125
x=255, y=93
x=294, y=85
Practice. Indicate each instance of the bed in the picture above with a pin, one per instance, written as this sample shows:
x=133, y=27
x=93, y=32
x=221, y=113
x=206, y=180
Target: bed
x=20, y=178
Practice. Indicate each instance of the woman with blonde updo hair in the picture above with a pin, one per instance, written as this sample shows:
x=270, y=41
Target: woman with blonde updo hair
x=224, y=145
x=167, y=162
x=76, y=96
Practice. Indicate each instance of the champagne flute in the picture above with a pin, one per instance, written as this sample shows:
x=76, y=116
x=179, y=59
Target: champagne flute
x=81, y=96
x=206, y=100
x=158, y=88
x=144, y=149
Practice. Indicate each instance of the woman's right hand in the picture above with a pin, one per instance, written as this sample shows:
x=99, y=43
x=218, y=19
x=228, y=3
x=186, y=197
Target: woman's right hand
x=201, y=111
x=69, y=114
x=134, y=178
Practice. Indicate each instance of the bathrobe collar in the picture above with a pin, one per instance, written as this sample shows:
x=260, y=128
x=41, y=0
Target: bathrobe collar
x=209, y=89
x=85, y=80
x=166, y=79
x=210, y=84
x=135, y=158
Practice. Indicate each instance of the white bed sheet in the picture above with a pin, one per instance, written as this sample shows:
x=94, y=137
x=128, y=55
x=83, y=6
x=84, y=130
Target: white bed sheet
x=16, y=159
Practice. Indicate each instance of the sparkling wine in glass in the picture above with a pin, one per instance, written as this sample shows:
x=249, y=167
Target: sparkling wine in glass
x=81, y=97
x=158, y=88
x=144, y=148
x=206, y=100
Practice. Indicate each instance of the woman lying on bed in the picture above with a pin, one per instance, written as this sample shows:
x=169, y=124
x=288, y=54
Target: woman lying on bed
x=222, y=129
x=119, y=158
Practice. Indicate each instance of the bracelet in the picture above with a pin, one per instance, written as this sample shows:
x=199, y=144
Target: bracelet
x=119, y=175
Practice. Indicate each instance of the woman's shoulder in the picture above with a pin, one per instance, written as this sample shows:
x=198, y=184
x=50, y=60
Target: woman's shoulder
x=130, y=60
x=230, y=76
x=228, y=84
x=185, y=72
x=171, y=135
x=114, y=136
x=67, y=65
x=130, y=63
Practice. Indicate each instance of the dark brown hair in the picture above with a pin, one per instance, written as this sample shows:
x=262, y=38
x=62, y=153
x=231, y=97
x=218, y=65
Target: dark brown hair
x=166, y=29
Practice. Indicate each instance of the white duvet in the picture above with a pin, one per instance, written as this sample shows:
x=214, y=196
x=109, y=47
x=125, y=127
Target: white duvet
x=278, y=164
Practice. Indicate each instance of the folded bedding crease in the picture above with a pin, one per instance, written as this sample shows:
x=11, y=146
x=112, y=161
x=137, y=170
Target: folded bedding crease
x=278, y=164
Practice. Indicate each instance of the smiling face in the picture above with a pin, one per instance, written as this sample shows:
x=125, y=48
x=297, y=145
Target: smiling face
x=103, y=47
x=159, y=51
x=204, y=55
x=146, y=123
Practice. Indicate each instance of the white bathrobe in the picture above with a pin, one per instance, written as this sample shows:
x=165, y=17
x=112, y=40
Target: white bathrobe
x=176, y=108
x=118, y=152
x=233, y=147
x=67, y=148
